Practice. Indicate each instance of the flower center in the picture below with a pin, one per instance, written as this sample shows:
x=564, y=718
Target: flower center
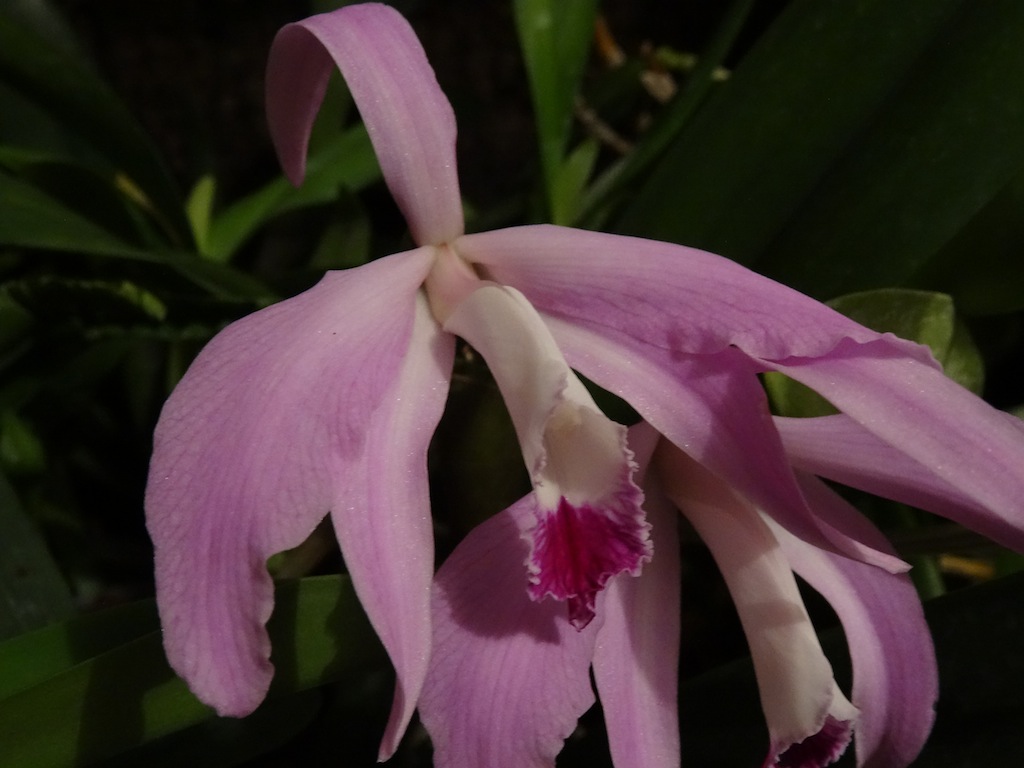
x=589, y=522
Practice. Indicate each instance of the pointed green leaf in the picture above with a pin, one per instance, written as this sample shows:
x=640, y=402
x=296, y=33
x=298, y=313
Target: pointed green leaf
x=554, y=36
x=33, y=219
x=346, y=162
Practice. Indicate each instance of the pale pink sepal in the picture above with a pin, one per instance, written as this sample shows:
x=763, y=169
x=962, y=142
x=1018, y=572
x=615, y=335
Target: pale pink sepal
x=268, y=424
x=509, y=677
x=932, y=421
x=650, y=293
x=636, y=661
x=382, y=516
x=408, y=117
x=839, y=448
x=809, y=720
x=895, y=678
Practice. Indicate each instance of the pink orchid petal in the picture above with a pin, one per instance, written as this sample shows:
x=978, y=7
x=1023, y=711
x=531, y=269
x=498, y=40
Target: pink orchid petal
x=589, y=523
x=269, y=424
x=509, y=677
x=714, y=408
x=710, y=404
x=659, y=294
x=809, y=721
x=636, y=661
x=382, y=516
x=408, y=117
x=840, y=449
x=952, y=434
x=895, y=679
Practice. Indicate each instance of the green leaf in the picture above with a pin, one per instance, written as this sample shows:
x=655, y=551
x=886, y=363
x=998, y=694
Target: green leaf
x=345, y=242
x=942, y=146
x=32, y=590
x=34, y=657
x=84, y=107
x=554, y=36
x=127, y=696
x=835, y=176
x=570, y=181
x=221, y=742
x=90, y=302
x=33, y=219
x=348, y=162
x=983, y=266
x=921, y=316
x=199, y=209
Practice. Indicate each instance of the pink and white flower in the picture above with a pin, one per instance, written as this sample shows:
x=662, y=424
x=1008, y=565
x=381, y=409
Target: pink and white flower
x=325, y=404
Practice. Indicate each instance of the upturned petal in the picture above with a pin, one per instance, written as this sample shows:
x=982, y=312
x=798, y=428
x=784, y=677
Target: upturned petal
x=408, y=117
x=636, y=661
x=509, y=677
x=588, y=522
x=895, y=678
x=280, y=419
x=809, y=720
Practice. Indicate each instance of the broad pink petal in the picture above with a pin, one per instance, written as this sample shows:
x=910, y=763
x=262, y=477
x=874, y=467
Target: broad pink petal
x=589, y=524
x=809, y=720
x=840, y=449
x=509, y=677
x=283, y=411
x=645, y=292
x=714, y=408
x=636, y=661
x=895, y=679
x=408, y=117
x=918, y=412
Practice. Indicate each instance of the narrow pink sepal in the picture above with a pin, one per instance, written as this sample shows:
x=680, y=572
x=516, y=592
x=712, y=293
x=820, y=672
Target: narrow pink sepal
x=895, y=677
x=382, y=516
x=839, y=448
x=408, y=117
x=636, y=661
x=247, y=456
x=509, y=677
x=934, y=422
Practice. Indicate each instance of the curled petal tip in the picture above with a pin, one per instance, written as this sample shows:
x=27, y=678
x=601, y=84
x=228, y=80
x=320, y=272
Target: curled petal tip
x=410, y=122
x=820, y=749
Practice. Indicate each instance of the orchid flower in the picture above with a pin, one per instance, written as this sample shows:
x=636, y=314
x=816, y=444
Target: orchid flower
x=325, y=404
